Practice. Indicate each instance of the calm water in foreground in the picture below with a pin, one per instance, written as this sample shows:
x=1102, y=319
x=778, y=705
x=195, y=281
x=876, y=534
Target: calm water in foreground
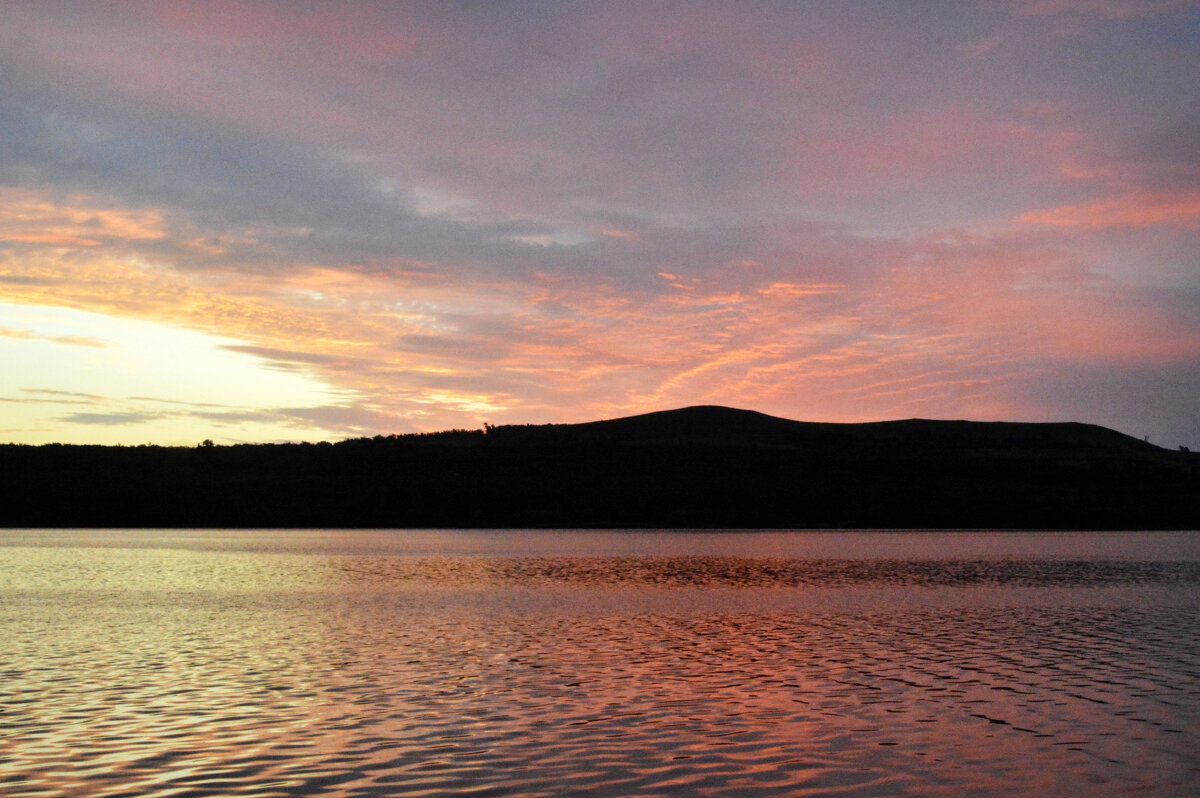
x=611, y=663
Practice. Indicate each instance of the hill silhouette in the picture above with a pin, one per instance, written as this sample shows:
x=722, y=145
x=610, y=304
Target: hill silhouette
x=714, y=424
x=701, y=467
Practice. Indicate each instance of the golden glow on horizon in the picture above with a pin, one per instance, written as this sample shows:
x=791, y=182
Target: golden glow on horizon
x=71, y=371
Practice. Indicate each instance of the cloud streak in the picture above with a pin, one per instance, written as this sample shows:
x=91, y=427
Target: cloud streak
x=68, y=340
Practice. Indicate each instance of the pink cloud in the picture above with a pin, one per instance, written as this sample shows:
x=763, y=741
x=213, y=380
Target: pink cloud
x=1139, y=211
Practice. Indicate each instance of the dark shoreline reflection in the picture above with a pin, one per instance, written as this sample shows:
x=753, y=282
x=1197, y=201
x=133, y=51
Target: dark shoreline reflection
x=159, y=672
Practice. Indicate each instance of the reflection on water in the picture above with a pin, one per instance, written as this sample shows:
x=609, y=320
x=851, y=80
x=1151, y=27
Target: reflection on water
x=764, y=572
x=279, y=671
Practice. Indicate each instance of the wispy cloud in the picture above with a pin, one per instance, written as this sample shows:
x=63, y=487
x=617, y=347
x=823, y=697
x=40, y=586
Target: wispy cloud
x=68, y=340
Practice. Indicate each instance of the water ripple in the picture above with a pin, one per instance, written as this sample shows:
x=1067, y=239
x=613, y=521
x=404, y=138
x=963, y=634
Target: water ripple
x=262, y=675
x=769, y=572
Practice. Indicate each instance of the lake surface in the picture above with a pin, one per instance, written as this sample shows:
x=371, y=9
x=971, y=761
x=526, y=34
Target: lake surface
x=288, y=663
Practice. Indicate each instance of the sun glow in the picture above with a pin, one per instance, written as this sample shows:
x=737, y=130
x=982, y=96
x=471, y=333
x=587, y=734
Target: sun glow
x=70, y=374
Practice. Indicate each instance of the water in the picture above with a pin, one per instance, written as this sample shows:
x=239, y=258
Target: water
x=268, y=663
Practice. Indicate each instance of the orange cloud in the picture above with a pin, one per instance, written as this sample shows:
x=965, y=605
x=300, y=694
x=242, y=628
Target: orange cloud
x=28, y=217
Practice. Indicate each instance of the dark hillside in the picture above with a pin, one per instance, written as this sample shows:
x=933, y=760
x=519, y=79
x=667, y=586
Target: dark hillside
x=695, y=467
x=747, y=427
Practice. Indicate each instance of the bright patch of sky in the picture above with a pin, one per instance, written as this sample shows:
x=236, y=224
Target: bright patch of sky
x=79, y=377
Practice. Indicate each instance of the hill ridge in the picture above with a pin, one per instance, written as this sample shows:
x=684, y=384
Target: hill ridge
x=700, y=467
x=753, y=424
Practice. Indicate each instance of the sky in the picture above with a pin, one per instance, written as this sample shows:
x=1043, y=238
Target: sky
x=313, y=221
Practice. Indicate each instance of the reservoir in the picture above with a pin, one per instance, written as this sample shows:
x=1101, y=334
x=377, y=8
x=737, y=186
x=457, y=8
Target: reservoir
x=509, y=662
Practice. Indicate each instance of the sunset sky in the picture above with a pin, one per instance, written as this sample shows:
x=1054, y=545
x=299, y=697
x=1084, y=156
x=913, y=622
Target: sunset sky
x=308, y=221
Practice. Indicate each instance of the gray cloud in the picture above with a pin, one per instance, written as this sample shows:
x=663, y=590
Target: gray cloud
x=123, y=418
x=285, y=356
x=350, y=421
x=62, y=394
x=20, y=279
